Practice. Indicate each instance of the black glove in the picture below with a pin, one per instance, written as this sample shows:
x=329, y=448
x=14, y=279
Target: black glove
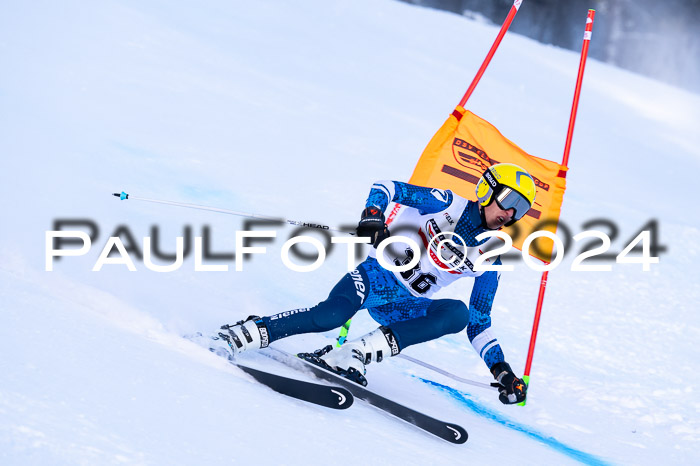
x=372, y=225
x=510, y=388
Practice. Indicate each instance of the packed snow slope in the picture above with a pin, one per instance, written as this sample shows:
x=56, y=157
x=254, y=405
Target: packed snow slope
x=293, y=109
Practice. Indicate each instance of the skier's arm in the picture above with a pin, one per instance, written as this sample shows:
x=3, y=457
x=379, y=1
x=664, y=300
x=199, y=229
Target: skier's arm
x=426, y=200
x=511, y=389
x=479, y=330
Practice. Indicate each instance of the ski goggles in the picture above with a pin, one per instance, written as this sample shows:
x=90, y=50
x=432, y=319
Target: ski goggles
x=508, y=198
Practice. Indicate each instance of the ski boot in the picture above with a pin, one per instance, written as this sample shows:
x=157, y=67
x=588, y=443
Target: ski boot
x=244, y=335
x=350, y=359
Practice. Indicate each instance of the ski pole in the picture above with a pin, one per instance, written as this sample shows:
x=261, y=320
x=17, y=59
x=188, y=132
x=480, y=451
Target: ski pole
x=343, y=333
x=445, y=373
x=124, y=196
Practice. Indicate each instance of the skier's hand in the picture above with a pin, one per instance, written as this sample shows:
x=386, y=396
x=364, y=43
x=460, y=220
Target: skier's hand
x=510, y=388
x=373, y=225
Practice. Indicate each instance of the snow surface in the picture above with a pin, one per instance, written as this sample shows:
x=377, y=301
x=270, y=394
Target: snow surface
x=293, y=109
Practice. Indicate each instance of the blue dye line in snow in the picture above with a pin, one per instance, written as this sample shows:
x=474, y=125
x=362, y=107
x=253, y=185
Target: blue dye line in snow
x=466, y=400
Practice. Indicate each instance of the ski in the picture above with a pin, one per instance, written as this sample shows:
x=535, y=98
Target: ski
x=452, y=433
x=316, y=393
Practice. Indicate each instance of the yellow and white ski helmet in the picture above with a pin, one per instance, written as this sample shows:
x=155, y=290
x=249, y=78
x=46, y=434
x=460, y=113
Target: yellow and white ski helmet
x=510, y=186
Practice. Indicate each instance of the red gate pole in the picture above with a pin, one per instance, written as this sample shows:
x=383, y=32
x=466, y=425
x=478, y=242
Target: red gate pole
x=567, y=148
x=492, y=51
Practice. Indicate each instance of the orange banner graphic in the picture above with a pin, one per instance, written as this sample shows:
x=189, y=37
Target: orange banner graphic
x=462, y=149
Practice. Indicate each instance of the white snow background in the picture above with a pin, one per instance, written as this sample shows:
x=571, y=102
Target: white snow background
x=294, y=109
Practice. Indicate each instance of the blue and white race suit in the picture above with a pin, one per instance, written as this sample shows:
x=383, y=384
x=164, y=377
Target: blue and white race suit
x=402, y=300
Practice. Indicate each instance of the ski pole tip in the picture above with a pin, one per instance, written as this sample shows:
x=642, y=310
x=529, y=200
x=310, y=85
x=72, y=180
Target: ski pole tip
x=121, y=195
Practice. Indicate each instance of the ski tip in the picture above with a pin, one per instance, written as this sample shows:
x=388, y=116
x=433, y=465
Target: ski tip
x=345, y=398
x=456, y=434
x=121, y=195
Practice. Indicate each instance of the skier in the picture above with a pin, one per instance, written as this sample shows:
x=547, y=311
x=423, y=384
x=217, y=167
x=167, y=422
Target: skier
x=400, y=301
